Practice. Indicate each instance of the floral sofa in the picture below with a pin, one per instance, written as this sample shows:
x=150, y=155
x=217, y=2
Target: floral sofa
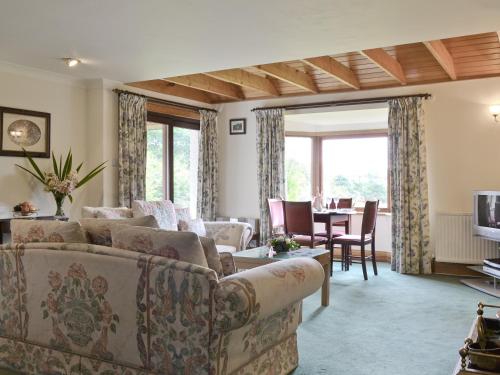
x=76, y=308
x=229, y=236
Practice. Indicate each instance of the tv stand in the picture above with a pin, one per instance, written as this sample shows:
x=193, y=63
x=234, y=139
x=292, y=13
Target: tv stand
x=489, y=286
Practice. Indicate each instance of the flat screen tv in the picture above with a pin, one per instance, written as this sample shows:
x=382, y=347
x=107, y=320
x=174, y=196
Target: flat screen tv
x=486, y=216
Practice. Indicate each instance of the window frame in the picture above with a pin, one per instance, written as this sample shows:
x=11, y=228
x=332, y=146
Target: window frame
x=317, y=156
x=170, y=122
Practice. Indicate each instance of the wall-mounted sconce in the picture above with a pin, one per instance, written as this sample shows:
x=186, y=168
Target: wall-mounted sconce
x=495, y=111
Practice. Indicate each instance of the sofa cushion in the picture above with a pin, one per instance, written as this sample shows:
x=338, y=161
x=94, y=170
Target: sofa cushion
x=24, y=231
x=212, y=255
x=107, y=212
x=163, y=211
x=98, y=231
x=193, y=225
x=226, y=249
x=182, y=213
x=184, y=246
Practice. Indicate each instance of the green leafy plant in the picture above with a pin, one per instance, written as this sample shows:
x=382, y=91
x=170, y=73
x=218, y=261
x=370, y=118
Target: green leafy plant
x=283, y=243
x=62, y=180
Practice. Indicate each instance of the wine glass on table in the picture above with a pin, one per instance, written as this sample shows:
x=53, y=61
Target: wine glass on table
x=336, y=200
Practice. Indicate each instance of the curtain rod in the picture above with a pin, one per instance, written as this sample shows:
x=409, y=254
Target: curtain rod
x=338, y=103
x=163, y=101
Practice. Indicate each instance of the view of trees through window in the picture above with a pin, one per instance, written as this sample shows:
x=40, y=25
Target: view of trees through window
x=357, y=168
x=351, y=167
x=185, y=165
x=298, y=163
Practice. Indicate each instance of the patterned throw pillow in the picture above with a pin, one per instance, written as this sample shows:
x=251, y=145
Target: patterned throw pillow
x=24, y=231
x=184, y=246
x=107, y=212
x=193, y=225
x=212, y=255
x=182, y=214
x=99, y=230
x=163, y=211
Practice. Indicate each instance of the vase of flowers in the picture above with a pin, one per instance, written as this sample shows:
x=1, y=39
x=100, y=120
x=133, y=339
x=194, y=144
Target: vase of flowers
x=282, y=244
x=62, y=180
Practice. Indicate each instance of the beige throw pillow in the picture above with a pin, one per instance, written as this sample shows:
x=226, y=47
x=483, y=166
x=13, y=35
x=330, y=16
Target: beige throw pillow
x=98, y=231
x=163, y=211
x=24, y=231
x=212, y=255
x=193, y=225
x=184, y=246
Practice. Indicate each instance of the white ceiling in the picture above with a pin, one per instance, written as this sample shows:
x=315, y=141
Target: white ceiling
x=342, y=119
x=129, y=40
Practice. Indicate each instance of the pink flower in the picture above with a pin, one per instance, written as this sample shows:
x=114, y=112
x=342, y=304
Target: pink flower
x=142, y=243
x=168, y=252
x=55, y=237
x=100, y=285
x=55, y=280
x=52, y=303
x=35, y=234
x=77, y=270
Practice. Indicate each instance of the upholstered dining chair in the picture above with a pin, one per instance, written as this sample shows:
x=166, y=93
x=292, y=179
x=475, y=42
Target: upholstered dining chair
x=300, y=224
x=366, y=237
x=276, y=215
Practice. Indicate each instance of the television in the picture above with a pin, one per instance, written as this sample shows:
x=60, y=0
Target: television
x=486, y=216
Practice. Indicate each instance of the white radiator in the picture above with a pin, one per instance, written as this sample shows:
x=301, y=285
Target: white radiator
x=456, y=244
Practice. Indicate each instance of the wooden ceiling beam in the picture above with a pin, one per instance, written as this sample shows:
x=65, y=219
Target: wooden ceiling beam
x=209, y=84
x=442, y=56
x=386, y=62
x=291, y=75
x=164, y=87
x=335, y=69
x=243, y=78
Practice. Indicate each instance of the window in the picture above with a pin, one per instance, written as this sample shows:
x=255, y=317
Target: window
x=172, y=160
x=355, y=167
x=298, y=165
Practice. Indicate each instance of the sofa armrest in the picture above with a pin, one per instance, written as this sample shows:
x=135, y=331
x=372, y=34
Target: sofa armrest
x=229, y=233
x=262, y=291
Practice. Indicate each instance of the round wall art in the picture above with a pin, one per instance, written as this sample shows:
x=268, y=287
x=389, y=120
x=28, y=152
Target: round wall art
x=24, y=133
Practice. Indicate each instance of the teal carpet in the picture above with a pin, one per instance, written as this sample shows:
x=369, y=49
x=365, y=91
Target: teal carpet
x=390, y=324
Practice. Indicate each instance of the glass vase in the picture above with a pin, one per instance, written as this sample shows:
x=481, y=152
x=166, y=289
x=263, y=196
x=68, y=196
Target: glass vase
x=59, y=198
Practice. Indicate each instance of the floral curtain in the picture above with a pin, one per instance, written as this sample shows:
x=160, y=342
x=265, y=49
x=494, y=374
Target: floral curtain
x=410, y=208
x=132, y=146
x=271, y=162
x=208, y=166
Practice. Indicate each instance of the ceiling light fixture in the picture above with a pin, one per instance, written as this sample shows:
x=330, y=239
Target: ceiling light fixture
x=71, y=62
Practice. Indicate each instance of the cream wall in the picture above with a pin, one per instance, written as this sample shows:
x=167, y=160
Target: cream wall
x=66, y=100
x=463, y=144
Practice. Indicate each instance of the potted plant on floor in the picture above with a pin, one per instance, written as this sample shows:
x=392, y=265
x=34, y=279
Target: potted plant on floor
x=62, y=180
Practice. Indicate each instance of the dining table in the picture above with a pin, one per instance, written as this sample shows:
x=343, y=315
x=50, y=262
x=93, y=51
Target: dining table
x=331, y=216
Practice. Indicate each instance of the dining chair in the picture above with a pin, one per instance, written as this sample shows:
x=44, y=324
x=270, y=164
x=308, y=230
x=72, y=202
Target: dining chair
x=300, y=224
x=366, y=237
x=276, y=216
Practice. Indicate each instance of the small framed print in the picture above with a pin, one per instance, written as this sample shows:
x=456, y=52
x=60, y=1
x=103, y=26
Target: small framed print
x=238, y=126
x=22, y=129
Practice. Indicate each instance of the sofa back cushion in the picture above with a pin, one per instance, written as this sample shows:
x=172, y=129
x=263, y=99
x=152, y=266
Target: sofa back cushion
x=193, y=225
x=24, y=231
x=163, y=211
x=184, y=246
x=98, y=231
x=212, y=255
x=107, y=212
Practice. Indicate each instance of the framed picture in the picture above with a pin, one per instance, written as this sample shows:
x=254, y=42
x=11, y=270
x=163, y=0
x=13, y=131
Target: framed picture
x=20, y=128
x=238, y=126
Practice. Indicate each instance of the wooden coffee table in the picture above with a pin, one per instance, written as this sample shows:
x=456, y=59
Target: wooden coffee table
x=259, y=256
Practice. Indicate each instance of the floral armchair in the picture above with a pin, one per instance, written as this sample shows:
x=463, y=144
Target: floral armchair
x=229, y=236
x=87, y=309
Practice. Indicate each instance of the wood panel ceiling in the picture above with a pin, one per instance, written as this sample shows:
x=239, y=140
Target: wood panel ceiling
x=465, y=57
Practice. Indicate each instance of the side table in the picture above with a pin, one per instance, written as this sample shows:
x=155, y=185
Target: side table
x=5, y=222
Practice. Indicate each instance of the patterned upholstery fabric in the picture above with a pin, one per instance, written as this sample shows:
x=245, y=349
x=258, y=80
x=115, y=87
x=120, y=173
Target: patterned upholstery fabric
x=212, y=255
x=227, y=262
x=98, y=231
x=24, y=231
x=193, y=225
x=107, y=212
x=185, y=246
x=163, y=211
x=87, y=309
x=229, y=233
